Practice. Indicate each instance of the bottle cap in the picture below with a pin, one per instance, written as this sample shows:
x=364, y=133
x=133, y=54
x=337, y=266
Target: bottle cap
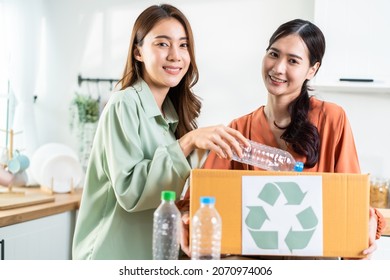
x=207, y=200
x=298, y=166
x=168, y=195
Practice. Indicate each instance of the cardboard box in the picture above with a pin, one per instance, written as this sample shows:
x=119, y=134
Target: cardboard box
x=338, y=225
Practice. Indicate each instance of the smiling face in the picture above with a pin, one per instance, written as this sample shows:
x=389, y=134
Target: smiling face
x=286, y=66
x=164, y=55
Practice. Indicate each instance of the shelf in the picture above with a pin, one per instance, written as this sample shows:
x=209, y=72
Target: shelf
x=354, y=87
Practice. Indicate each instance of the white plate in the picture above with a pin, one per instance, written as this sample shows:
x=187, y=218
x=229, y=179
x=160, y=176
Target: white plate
x=45, y=152
x=60, y=172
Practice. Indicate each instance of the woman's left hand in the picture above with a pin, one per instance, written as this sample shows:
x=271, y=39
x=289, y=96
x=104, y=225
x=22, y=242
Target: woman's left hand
x=185, y=237
x=372, y=227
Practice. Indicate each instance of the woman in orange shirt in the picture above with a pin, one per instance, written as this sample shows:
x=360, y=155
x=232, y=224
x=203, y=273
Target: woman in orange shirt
x=314, y=132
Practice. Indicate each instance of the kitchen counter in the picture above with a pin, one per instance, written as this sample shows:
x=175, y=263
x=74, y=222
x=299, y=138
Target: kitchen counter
x=71, y=201
x=62, y=203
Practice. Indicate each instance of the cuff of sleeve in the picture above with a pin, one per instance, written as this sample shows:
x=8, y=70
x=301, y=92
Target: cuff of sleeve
x=381, y=223
x=179, y=161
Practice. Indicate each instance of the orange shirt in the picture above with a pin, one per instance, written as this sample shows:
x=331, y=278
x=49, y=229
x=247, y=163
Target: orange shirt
x=337, y=145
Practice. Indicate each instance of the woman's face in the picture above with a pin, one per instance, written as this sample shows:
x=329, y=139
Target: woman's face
x=164, y=55
x=286, y=66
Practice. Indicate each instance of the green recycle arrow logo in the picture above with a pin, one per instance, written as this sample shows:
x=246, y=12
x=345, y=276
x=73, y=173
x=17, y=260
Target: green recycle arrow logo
x=257, y=217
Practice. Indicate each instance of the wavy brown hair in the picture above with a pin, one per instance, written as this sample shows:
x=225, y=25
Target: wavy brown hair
x=186, y=103
x=301, y=133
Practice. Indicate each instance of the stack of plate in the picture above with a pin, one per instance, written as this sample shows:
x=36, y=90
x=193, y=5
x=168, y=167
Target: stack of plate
x=56, y=166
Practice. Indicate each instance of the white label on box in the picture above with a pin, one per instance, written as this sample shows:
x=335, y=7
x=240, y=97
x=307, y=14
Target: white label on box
x=282, y=215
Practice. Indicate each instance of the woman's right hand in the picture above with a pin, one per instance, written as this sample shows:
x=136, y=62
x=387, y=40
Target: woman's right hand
x=219, y=139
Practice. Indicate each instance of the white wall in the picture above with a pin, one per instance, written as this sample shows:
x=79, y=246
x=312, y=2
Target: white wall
x=231, y=37
x=91, y=37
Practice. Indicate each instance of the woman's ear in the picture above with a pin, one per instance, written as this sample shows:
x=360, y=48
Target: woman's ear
x=137, y=54
x=313, y=70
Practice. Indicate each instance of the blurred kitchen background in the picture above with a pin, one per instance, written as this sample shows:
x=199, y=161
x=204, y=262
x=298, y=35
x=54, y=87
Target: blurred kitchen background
x=47, y=44
x=50, y=48
x=60, y=59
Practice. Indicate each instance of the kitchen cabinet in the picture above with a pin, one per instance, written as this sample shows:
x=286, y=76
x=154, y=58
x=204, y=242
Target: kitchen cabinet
x=42, y=231
x=356, y=44
x=47, y=238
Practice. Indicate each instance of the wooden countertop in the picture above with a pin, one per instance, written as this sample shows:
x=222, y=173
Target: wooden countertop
x=71, y=201
x=62, y=203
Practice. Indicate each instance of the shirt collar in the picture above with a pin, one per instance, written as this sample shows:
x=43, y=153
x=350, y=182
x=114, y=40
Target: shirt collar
x=171, y=116
x=150, y=106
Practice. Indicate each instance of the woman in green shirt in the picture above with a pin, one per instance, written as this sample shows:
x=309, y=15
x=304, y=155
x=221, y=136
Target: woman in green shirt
x=145, y=136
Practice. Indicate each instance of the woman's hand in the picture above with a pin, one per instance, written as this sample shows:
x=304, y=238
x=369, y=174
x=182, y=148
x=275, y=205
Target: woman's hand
x=185, y=238
x=220, y=139
x=372, y=227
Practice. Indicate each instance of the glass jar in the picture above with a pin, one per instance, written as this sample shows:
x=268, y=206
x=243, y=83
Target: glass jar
x=379, y=192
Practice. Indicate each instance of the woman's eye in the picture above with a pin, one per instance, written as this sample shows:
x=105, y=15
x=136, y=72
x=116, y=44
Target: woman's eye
x=184, y=45
x=273, y=54
x=293, y=61
x=162, y=44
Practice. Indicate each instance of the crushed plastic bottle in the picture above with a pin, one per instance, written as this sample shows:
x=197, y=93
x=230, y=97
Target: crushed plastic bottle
x=206, y=231
x=268, y=158
x=166, y=228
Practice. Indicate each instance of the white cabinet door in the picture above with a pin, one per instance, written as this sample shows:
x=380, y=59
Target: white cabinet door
x=357, y=39
x=48, y=238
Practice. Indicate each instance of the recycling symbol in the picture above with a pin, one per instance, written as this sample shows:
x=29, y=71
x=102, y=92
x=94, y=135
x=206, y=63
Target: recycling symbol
x=257, y=218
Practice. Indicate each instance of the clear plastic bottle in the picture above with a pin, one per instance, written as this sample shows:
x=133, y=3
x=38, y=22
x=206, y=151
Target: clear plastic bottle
x=268, y=158
x=206, y=231
x=166, y=228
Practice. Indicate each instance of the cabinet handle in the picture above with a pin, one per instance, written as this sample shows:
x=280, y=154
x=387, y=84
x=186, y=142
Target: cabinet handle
x=2, y=243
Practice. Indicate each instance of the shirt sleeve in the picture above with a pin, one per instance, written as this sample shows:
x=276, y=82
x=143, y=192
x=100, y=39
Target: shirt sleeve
x=138, y=174
x=213, y=161
x=346, y=158
x=381, y=223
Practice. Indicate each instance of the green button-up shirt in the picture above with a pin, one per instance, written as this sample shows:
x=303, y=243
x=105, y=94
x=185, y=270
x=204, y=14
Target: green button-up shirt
x=135, y=156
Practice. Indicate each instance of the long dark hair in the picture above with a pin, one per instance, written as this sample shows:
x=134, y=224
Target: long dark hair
x=186, y=103
x=301, y=134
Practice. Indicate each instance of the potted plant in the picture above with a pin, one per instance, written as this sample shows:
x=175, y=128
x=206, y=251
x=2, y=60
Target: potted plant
x=85, y=112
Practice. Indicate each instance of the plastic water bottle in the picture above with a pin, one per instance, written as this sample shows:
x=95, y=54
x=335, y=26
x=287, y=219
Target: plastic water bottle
x=166, y=228
x=268, y=158
x=206, y=231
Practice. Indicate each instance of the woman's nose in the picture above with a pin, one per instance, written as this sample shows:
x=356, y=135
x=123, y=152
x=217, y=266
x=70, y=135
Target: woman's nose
x=279, y=66
x=174, y=54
